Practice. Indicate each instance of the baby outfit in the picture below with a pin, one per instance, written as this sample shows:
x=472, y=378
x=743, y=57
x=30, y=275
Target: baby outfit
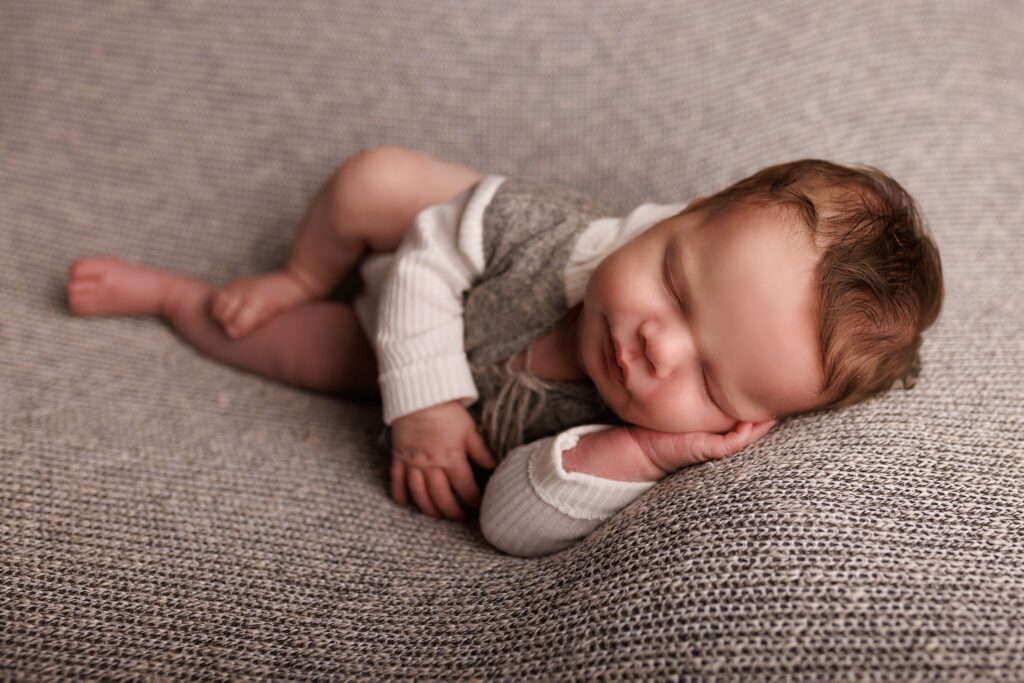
x=528, y=233
x=475, y=281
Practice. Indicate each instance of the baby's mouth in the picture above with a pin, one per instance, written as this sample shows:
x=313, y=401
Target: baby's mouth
x=614, y=360
x=620, y=360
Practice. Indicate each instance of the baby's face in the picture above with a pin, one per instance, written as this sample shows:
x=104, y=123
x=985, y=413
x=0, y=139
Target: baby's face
x=714, y=321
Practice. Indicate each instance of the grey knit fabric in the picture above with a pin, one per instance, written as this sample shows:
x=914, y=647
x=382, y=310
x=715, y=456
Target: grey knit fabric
x=164, y=516
x=529, y=231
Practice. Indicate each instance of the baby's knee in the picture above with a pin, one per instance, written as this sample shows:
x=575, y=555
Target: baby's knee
x=367, y=184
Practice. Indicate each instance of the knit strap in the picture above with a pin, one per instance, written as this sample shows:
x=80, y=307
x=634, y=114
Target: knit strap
x=522, y=397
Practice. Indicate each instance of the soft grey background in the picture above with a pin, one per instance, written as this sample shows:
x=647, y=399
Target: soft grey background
x=164, y=515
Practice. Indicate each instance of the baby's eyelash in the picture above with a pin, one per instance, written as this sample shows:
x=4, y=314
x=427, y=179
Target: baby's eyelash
x=667, y=280
x=681, y=305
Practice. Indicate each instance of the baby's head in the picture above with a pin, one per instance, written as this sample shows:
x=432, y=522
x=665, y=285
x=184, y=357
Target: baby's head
x=805, y=286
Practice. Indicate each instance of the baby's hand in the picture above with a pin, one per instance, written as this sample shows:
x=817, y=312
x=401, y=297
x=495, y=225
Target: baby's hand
x=670, y=451
x=428, y=454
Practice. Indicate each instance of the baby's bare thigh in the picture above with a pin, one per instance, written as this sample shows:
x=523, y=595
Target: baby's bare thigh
x=338, y=351
x=367, y=384
x=363, y=296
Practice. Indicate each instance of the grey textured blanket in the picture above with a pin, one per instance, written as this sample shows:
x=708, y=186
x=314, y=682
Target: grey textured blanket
x=165, y=516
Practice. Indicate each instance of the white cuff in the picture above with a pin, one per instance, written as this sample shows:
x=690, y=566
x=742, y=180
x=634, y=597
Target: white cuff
x=578, y=494
x=414, y=387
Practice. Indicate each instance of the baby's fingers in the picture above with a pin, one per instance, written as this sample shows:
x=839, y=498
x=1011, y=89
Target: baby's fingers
x=736, y=439
x=479, y=452
x=398, y=481
x=464, y=483
x=441, y=494
x=418, y=486
x=759, y=429
x=744, y=434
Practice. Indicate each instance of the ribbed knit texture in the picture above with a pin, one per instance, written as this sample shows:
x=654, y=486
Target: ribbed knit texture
x=164, y=516
x=533, y=507
x=549, y=479
x=434, y=369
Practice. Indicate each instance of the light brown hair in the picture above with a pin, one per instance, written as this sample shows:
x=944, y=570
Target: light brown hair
x=879, y=278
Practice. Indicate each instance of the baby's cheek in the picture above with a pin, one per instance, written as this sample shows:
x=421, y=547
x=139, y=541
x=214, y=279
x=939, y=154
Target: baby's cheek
x=702, y=419
x=663, y=416
x=720, y=423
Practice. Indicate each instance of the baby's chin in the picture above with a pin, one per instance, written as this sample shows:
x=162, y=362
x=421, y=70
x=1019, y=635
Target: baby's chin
x=615, y=401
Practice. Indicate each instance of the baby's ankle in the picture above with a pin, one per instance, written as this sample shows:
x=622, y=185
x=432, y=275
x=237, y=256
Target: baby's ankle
x=306, y=282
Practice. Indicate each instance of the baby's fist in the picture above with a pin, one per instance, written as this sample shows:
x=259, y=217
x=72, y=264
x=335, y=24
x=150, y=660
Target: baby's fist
x=429, y=458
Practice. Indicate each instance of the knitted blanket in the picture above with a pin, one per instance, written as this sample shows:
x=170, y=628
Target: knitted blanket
x=165, y=516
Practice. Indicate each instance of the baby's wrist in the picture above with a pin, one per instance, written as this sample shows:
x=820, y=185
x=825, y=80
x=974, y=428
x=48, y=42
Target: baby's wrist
x=611, y=454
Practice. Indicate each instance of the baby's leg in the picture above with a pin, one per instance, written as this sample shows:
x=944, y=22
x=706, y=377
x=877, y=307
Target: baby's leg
x=368, y=203
x=318, y=345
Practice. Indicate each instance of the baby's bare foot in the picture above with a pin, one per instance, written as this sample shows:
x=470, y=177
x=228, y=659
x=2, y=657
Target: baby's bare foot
x=244, y=304
x=103, y=285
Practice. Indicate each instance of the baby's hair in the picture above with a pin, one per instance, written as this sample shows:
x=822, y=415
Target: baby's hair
x=879, y=278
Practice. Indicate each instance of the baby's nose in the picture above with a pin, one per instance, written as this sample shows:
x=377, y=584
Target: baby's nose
x=667, y=350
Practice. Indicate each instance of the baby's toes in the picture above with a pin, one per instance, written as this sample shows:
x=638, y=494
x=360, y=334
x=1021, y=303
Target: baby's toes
x=244, y=319
x=219, y=301
x=89, y=267
x=225, y=302
x=83, y=295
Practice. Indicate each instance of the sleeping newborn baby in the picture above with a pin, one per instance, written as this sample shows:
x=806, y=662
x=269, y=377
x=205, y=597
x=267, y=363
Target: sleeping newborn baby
x=511, y=324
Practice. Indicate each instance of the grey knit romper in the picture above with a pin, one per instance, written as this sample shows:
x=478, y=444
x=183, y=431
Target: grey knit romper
x=529, y=231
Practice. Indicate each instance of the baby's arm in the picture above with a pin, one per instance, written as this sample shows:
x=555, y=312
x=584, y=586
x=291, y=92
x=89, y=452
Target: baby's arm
x=419, y=339
x=425, y=379
x=532, y=506
x=551, y=493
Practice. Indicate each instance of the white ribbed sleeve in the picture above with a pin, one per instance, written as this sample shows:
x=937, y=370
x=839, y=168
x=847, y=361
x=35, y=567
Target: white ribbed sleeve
x=533, y=507
x=419, y=338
